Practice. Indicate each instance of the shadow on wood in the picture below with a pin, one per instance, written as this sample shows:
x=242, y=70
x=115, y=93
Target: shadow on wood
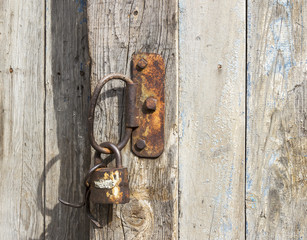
x=67, y=98
x=68, y=155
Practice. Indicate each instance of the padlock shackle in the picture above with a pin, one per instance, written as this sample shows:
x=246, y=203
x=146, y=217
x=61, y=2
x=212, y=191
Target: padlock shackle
x=118, y=159
x=116, y=152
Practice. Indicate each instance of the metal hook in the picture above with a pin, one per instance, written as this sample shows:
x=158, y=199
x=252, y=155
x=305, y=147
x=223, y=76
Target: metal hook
x=74, y=205
x=131, y=119
x=85, y=203
x=86, y=200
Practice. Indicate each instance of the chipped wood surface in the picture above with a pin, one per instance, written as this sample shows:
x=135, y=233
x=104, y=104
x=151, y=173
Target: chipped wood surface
x=212, y=119
x=276, y=187
x=117, y=29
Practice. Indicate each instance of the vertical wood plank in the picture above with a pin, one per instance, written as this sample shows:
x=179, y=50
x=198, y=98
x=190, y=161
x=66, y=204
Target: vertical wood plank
x=67, y=98
x=117, y=29
x=21, y=118
x=211, y=119
x=276, y=124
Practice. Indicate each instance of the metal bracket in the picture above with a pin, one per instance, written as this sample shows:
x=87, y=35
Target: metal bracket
x=148, y=71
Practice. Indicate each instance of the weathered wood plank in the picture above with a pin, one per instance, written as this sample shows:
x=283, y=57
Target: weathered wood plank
x=212, y=119
x=21, y=118
x=117, y=29
x=276, y=126
x=67, y=98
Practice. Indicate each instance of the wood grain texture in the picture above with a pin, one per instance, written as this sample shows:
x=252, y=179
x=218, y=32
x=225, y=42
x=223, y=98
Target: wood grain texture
x=117, y=29
x=212, y=119
x=276, y=125
x=21, y=118
x=67, y=99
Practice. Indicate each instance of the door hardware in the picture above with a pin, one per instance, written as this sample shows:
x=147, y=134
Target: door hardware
x=148, y=72
x=144, y=106
x=144, y=124
x=115, y=188
x=130, y=113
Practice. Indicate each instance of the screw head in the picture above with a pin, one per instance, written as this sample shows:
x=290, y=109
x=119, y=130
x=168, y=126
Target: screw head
x=142, y=64
x=140, y=144
x=151, y=103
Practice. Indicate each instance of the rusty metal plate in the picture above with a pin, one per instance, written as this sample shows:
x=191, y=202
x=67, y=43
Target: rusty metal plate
x=148, y=71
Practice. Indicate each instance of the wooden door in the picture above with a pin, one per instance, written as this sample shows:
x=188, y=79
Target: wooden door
x=234, y=164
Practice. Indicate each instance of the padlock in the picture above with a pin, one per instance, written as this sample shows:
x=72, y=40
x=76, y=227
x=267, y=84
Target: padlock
x=110, y=185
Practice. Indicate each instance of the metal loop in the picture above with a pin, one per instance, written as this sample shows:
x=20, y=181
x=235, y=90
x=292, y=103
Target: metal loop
x=93, y=103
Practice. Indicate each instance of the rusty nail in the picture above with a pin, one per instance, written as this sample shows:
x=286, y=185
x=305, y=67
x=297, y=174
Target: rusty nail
x=151, y=103
x=142, y=63
x=140, y=144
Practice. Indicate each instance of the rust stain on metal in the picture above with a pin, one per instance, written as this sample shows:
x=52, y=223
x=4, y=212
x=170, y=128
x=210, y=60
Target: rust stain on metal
x=110, y=185
x=148, y=71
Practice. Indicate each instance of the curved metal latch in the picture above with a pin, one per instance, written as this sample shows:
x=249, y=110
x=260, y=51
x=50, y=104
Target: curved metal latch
x=131, y=113
x=145, y=106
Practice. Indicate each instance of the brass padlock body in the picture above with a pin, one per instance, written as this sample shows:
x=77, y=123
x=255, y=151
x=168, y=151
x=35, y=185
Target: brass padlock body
x=110, y=185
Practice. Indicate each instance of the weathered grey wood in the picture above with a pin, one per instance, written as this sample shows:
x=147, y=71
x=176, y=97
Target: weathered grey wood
x=45, y=91
x=212, y=119
x=117, y=29
x=276, y=124
x=21, y=118
x=67, y=98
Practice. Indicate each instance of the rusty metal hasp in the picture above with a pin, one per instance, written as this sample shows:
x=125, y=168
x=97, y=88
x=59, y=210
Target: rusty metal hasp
x=148, y=72
x=144, y=117
x=145, y=106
